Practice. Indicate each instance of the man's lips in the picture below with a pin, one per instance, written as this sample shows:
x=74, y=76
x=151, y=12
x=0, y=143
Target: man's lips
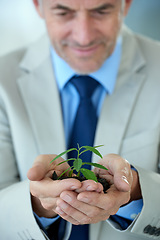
x=85, y=51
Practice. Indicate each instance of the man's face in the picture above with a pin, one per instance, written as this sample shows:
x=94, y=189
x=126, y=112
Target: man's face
x=83, y=32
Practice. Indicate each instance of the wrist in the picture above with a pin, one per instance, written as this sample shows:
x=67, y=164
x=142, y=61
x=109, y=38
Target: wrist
x=135, y=188
x=40, y=210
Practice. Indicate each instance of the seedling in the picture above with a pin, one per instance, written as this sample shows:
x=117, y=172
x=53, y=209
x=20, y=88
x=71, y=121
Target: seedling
x=78, y=163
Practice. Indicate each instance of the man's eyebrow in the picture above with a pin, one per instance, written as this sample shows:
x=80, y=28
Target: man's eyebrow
x=103, y=7
x=99, y=8
x=61, y=7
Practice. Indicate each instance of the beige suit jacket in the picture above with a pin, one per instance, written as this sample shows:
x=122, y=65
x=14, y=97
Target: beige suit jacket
x=31, y=124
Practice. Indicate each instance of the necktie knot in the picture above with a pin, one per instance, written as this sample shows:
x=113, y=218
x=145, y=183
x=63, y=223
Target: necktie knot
x=85, y=85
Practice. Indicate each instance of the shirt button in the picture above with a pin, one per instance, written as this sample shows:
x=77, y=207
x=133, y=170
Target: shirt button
x=133, y=216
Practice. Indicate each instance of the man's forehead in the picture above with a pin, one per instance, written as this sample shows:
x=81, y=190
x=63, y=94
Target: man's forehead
x=88, y=4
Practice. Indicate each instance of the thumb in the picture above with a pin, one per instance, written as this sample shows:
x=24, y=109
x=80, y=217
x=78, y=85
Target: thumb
x=120, y=169
x=122, y=174
x=41, y=167
x=122, y=182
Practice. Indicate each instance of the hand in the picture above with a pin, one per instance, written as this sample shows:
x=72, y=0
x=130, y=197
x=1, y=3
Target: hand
x=91, y=206
x=120, y=175
x=75, y=211
x=45, y=191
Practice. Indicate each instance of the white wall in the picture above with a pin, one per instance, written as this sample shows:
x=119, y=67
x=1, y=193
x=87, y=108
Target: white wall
x=144, y=17
x=20, y=24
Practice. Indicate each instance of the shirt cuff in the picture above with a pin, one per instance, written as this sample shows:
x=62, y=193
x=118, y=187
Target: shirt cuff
x=131, y=210
x=46, y=222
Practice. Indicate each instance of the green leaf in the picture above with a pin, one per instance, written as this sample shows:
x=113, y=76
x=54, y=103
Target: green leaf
x=98, y=146
x=95, y=165
x=65, y=172
x=61, y=154
x=89, y=174
x=77, y=164
x=94, y=150
x=70, y=159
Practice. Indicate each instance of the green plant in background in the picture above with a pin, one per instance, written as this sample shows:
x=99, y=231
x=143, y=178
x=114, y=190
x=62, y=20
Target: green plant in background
x=78, y=163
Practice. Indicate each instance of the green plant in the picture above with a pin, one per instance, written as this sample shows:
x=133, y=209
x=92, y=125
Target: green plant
x=78, y=163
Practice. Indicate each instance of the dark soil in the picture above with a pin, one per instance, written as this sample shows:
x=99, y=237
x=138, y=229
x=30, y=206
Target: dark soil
x=103, y=181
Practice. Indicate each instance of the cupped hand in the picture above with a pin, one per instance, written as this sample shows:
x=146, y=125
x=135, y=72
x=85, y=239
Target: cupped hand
x=45, y=191
x=89, y=204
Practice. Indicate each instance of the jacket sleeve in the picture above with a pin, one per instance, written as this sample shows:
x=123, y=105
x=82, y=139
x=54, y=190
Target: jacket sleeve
x=17, y=219
x=16, y=212
x=148, y=222
x=15, y=200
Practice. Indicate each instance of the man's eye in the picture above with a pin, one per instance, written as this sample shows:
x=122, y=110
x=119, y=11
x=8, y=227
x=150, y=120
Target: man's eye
x=64, y=13
x=101, y=12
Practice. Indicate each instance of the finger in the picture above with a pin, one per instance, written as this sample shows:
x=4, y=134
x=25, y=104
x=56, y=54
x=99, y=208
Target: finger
x=123, y=177
x=65, y=216
x=70, y=213
x=120, y=169
x=42, y=165
x=78, y=209
x=81, y=220
x=90, y=185
x=82, y=213
x=49, y=188
x=109, y=202
x=77, y=218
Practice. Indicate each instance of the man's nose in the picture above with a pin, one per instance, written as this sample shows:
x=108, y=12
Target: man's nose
x=83, y=30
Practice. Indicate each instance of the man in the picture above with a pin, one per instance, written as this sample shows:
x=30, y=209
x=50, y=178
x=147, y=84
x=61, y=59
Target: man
x=87, y=38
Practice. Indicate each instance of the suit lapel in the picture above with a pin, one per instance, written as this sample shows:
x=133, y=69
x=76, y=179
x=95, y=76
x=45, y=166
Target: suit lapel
x=39, y=92
x=116, y=113
x=117, y=108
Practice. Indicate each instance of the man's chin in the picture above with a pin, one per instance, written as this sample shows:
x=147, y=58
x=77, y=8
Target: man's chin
x=85, y=68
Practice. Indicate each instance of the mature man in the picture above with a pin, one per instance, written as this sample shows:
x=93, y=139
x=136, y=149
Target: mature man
x=39, y=104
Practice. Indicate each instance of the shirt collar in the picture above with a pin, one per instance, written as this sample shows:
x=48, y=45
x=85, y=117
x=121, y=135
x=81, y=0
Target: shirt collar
x=106, y=75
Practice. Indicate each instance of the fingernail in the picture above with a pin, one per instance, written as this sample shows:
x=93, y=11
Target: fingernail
x=63, y=205
x=125, y=179
x=89, y=188
x=86, y=200
x=59, y=210
x=99, y=190
x=67, y=198
x=73, y=188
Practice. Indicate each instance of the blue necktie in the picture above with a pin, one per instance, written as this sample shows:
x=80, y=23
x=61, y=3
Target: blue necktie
x=84, y=126
x=83, y=133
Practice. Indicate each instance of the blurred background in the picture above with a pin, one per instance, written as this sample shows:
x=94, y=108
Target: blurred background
x=20, y=24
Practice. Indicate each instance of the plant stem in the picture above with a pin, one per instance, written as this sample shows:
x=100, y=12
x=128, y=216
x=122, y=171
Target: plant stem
x=78, y=174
